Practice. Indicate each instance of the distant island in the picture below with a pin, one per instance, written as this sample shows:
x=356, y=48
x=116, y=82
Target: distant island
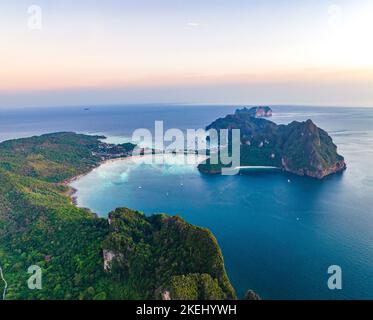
x=127, y=256
x=299, y=147
x=258, y=112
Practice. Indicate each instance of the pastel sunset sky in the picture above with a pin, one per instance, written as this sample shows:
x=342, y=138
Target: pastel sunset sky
x=192, y=51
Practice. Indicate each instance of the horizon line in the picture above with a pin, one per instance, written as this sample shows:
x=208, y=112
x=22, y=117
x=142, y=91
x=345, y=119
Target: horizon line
x=186, y=104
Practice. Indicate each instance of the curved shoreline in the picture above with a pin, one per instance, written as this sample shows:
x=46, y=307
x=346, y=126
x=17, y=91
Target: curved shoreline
x=71, y=192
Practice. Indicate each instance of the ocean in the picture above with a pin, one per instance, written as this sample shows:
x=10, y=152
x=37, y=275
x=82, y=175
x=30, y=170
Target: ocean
x=278, y=233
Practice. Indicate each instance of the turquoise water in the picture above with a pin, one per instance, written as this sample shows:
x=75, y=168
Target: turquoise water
x=278, y=233
x=277, y=237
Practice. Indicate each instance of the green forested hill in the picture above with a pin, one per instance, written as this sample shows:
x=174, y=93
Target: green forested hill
x=168, y=254
x=40, y=226
x=51, y=157
x=301, y=148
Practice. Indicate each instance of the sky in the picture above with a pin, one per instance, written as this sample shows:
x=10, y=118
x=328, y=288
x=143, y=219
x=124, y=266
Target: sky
x=55, y=53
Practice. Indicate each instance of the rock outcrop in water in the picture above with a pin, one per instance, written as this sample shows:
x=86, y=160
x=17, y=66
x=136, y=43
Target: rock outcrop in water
x=301, y=148
x=252, y=295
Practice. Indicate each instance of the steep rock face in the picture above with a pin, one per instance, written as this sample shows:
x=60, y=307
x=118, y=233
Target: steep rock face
x=308, y=150
x=108, y=258
x=299, y=147
x=165, y=257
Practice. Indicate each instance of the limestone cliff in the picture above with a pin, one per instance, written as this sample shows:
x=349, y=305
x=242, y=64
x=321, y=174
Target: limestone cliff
x=301, y=148
x=164, y=257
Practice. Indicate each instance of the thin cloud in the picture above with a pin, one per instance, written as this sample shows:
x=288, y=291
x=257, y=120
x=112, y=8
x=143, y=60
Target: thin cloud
x=193, y=24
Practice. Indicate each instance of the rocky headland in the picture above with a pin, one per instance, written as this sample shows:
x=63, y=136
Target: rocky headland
x=301, y=148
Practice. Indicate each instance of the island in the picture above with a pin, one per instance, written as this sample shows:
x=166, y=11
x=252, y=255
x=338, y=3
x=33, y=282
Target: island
x=258, y=112
x=300, y=148
x=127, y=256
